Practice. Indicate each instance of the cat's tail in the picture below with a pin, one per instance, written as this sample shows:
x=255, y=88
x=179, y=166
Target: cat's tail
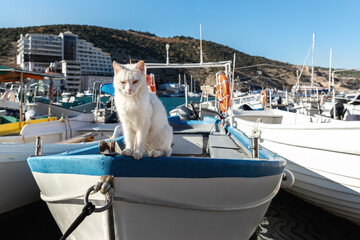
x=168, y=152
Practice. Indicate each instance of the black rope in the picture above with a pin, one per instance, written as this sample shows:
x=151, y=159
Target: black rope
x=86, y=211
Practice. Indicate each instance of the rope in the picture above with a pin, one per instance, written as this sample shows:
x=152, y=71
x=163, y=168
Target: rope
x=86, y=211
x=74, y=120
x=302, y=69
x=188, y=206
x=62, y=119
x=59, y=199
x=65, y=119
x=69, y=128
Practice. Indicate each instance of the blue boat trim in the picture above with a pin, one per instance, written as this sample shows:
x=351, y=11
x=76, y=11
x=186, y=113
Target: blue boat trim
x=162, y=167
x=206, y=120
x=263, y=153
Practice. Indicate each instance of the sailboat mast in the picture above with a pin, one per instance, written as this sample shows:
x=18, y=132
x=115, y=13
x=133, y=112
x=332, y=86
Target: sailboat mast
x=191, y=84
x=201, y=53
x=312, y=61
x=330, y=70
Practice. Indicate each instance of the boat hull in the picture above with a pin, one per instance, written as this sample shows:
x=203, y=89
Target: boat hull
x=160, y=205
x=15, y=174
x=210, y=188
x=325, y=169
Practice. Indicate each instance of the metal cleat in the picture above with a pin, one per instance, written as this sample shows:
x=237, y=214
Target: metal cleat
x=255, y=135
x=109, y=148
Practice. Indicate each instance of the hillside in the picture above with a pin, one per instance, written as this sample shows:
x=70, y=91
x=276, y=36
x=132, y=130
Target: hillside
x=123, y=45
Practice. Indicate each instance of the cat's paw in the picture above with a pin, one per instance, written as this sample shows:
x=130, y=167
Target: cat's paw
x=155, y=153
x=126, y=152
x=137, y=155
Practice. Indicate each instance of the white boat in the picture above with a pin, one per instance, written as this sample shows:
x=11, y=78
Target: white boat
x=194, y=94
x=211, y=108
x=9, y=100
x=41, y=108
x=249, y=102
x=210, y=188
x=19, y=185
x=323, y=154
x=350, y=106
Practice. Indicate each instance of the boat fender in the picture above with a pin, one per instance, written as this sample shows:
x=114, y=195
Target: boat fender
x=288, y=179
x=117, y=132
x=30, y=114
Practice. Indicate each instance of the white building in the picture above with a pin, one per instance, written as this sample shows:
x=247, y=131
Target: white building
x=72, y=71
x=73, y=57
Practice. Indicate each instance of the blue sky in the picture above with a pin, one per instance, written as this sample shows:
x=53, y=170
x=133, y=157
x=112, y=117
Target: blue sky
x=276, y=29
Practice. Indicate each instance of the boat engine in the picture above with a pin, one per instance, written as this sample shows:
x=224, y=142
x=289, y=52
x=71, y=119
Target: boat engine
x=339, y=110
x=185, y=113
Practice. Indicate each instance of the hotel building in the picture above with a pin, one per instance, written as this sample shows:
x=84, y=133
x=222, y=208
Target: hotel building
x=75, y=58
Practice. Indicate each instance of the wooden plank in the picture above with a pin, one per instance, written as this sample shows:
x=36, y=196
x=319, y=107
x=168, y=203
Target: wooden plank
x=86, y=137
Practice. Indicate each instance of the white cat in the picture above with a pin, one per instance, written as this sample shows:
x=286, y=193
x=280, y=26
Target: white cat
x=141, y=113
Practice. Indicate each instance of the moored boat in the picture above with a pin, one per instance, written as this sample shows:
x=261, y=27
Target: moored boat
x=322, y=153
x=212, y=187
x=57, y=136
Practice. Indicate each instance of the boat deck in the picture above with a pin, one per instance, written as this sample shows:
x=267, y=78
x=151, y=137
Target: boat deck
x=205, y=140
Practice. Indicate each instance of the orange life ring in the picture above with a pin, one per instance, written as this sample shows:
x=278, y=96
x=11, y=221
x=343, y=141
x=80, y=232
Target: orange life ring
x=263, y=92
x=150, y=80
x=223, y=94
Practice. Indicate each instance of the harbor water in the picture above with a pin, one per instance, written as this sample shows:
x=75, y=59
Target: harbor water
x=172, y=102
x=288, y=218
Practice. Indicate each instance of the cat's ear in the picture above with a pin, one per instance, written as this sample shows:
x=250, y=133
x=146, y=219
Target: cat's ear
x=140, y=66
x=116, y=67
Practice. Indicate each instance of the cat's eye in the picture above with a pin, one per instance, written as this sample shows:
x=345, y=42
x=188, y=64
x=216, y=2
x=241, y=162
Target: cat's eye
x=135, y=81
x=122, y=82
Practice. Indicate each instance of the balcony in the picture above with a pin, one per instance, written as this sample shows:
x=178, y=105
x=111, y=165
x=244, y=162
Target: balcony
x=72, y=83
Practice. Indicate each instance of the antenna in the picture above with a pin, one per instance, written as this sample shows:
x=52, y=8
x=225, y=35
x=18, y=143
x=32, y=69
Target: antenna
x=312, y=61
x=201, y=53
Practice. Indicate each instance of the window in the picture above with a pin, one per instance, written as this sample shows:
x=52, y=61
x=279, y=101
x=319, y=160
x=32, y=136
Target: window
x=69, y=47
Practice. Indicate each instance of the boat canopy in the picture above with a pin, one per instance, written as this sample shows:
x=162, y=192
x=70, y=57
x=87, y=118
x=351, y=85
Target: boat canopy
x=8, y=74
x=108, y=88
